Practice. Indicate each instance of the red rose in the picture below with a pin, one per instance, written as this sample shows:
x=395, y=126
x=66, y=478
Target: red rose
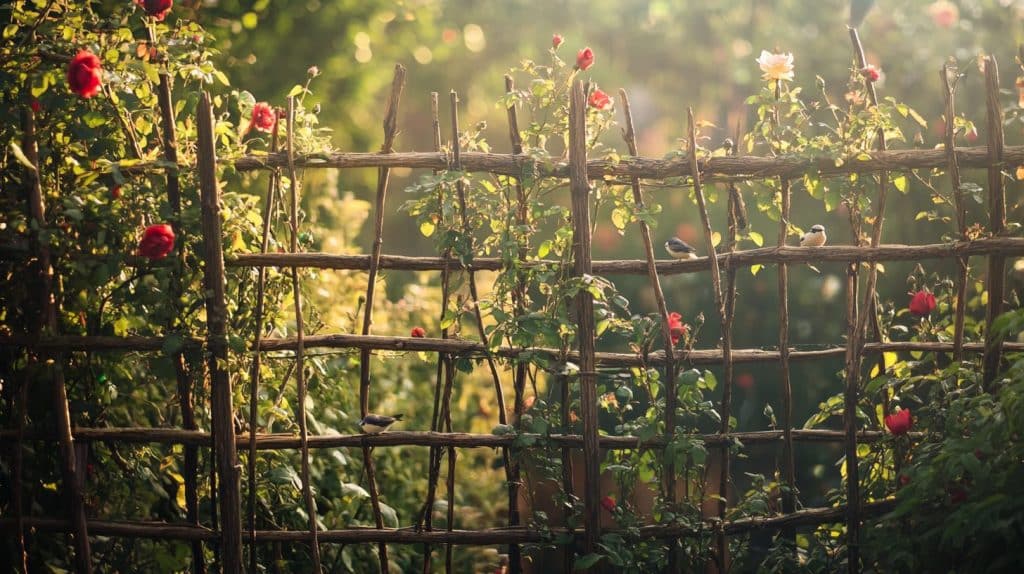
x=922, y=303
x=957, y=494
x=745, y=381
x=263, y=117
x=584, y=58
x=35, y=105
x=871, y=73
x=599, y=100
x=115, y=192
x=904, y=480
x=418, y=332
x=556, y=41
x=676, y=327
x=899, y=422
x=84, y=74
x=157, y=241
x=608, y=503
x=156, y=8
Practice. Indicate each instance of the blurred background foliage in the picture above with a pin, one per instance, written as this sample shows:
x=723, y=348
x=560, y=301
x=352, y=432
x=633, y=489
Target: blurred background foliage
x=668, y=55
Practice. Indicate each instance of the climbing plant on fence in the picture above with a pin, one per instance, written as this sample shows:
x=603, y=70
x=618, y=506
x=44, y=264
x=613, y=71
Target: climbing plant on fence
x=157, y=313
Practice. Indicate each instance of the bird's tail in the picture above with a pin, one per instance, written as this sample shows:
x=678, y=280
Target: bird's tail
x=398, y=417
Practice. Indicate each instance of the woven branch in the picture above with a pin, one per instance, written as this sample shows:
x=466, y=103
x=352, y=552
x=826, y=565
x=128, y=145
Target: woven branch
x=163, y=531
x=1009, y=246
x=751, y=167
x=472, y=348
x=277, y=441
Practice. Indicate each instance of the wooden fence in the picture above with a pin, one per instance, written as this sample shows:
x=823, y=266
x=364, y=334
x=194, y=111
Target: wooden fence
x=231, y=532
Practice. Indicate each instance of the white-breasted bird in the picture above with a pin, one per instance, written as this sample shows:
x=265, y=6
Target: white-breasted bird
x=376, y=424
x=815, y=237
x=680, y=249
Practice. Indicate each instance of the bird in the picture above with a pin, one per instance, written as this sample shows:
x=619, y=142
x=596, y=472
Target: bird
x=815, y=237
x=376, y=424
x=680, y=249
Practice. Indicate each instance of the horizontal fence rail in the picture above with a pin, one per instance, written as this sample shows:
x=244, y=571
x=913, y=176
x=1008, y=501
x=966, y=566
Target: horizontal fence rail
x=275, y=441
x=473, y=349
x=165, y=531
x=1010, y=246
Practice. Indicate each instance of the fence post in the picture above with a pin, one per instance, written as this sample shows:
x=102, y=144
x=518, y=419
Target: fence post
x=222, y=410
x=582, y=267
x=997, y=220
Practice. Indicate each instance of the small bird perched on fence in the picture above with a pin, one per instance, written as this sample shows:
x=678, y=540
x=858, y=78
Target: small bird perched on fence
x=814, y=238
x=680, y=249
x=376, y=424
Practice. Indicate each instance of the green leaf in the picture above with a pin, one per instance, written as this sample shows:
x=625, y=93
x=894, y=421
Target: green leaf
x=296, y=90
x=901, y=183
x=587, y=561
x=20, y=155
x=221, y=77
x=755, y=269
x=427, y=228
x=757, y=238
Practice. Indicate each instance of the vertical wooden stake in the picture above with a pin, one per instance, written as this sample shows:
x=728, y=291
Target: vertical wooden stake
x=48, y=323
x=582, y=268
x=716, y=282
x=997, y=221
x=519, y=302
x=300, y=334
x=383, y=176
x=182, y=376
x=254, y=371
x=949, y=96
x=222, y=409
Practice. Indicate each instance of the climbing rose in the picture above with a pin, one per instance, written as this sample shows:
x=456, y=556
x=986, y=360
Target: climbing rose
x=871, y=73
x=899, y=422
x=556, y=41
x=115, y=192
x=584, y=58
x=600, y=100
x=158, y=9
x=35, y=105
x=418, y=332
x=922, y=303
x=608, y=503
x=776, y=66
x=84, y=74
x=263, y=117
x=157, y=241
x=676, y=327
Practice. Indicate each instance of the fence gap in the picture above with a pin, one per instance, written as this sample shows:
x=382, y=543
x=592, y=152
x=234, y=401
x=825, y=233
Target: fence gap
x=629, y=135
x=222, y=409
x=460, y=191
x=997, y=220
